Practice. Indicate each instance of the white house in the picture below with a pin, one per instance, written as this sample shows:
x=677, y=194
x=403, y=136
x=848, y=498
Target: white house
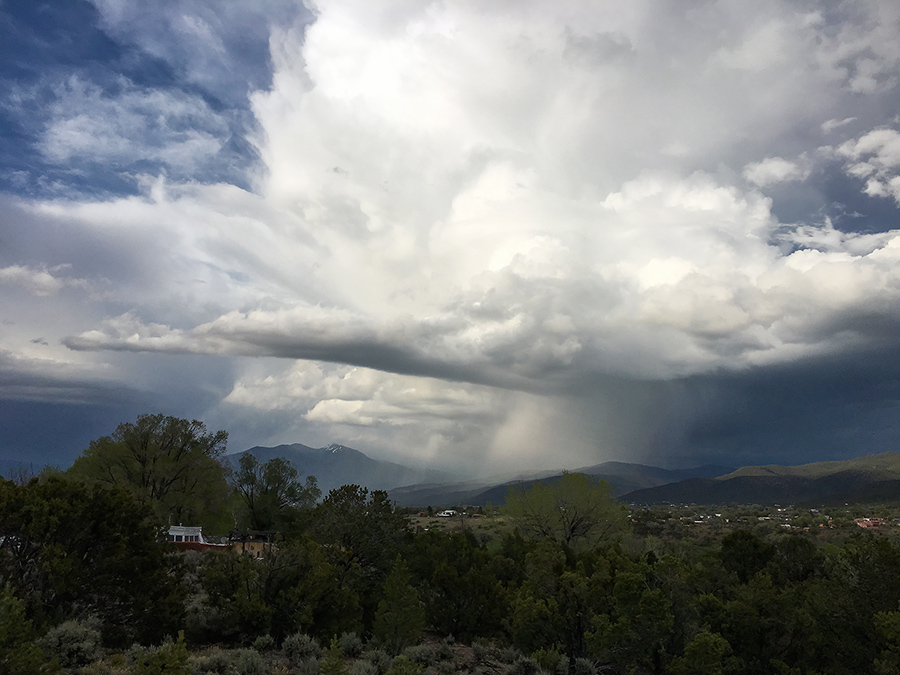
x=180, y=533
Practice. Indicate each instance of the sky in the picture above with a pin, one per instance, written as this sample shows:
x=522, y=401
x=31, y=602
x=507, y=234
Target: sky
x=482, y=236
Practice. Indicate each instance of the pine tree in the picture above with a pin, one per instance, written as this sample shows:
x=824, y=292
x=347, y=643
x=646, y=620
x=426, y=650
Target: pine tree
x=400, y=618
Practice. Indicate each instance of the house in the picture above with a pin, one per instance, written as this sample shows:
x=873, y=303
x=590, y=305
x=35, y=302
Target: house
x=449, y=513
x=256, y=543
x=181, y=533
x=189, y=538
x=870, y=523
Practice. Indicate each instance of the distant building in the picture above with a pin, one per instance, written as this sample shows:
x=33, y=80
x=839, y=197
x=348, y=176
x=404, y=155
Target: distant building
x=188, y=538
x=449, y=513
x=870, y=523
x=256, y=543
x=180, y=533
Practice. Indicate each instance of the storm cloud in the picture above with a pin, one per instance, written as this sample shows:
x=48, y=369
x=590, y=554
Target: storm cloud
x=477, y=235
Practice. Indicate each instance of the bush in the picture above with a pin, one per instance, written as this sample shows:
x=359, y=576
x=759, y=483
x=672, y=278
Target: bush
x=308, y=666
x=523, y=666
x=351, y=645
x=333, y=662
x=508, y=654
x=444, y=649
x=551, y=661
x=403, y=665
x=584, y=667
x=299, y=647
x=379, y=659
x=364, y=667
x=215, y=661
x=18, y=652
x=117, y=664
x=249, y=662
x=75, y=643
x=421, y=654
x=170, y=658
x=264, y=643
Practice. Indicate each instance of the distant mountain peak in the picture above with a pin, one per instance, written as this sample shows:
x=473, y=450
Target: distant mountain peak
x=335, y=465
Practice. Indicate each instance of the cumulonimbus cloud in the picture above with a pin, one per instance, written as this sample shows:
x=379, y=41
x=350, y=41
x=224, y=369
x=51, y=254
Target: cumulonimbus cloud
x=521, y=196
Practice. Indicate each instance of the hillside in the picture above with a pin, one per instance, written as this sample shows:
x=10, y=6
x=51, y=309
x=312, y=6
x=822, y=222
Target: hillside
x=621, y=476
x=883, y=466
x=875, y=478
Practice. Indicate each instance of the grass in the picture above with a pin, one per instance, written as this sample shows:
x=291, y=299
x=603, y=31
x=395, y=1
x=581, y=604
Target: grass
x=490, y=530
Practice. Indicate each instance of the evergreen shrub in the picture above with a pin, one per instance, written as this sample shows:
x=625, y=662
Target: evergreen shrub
x=351, y=645
x=75, y=643
x=249, y=662
x=300, y=647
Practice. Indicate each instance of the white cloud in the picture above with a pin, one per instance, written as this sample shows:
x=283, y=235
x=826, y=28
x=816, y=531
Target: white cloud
x=774, y=170
x=467, y=214
x=35, y=281
x=875, y=156
x=173, y=128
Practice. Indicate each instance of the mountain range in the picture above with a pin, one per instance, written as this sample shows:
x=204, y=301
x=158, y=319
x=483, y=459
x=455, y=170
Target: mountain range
x=336, y=465
x=873, y=478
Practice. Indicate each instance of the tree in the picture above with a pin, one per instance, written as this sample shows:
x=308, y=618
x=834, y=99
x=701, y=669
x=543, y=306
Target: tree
x=19, y=653
x=363, y=533
x=168, y=462
x=707, y=654
x=271, y=489
x=400, y=618
x=366, y=526
x=69, y=549
x=576, y=511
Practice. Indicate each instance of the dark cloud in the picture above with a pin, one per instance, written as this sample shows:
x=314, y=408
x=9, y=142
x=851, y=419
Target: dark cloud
x=503, y=233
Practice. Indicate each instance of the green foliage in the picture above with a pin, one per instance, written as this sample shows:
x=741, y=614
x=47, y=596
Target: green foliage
x=215, y=661
x=363, y=533
x=400, y=618
x=639, y=626
x=745, y=554
x=307, y=666
x=294, y=588
x=19, y=654
x=351, y=644
x=299, y=646
x=577, y=511
x=170, y=463
x=379, y=659
x=333, y=661
x=169, y=658
x=71, y=549
x=888, y=625
x=365, y=525
x=249, y=662
x=551, y=661
x=271, y=493
x=460, y=586
x=583, y=666
x=74, y=643
x=264, y=643
x=523, y=666
x=421, y=654
x=403, y=665
x=707, y=654
x=366, y=667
